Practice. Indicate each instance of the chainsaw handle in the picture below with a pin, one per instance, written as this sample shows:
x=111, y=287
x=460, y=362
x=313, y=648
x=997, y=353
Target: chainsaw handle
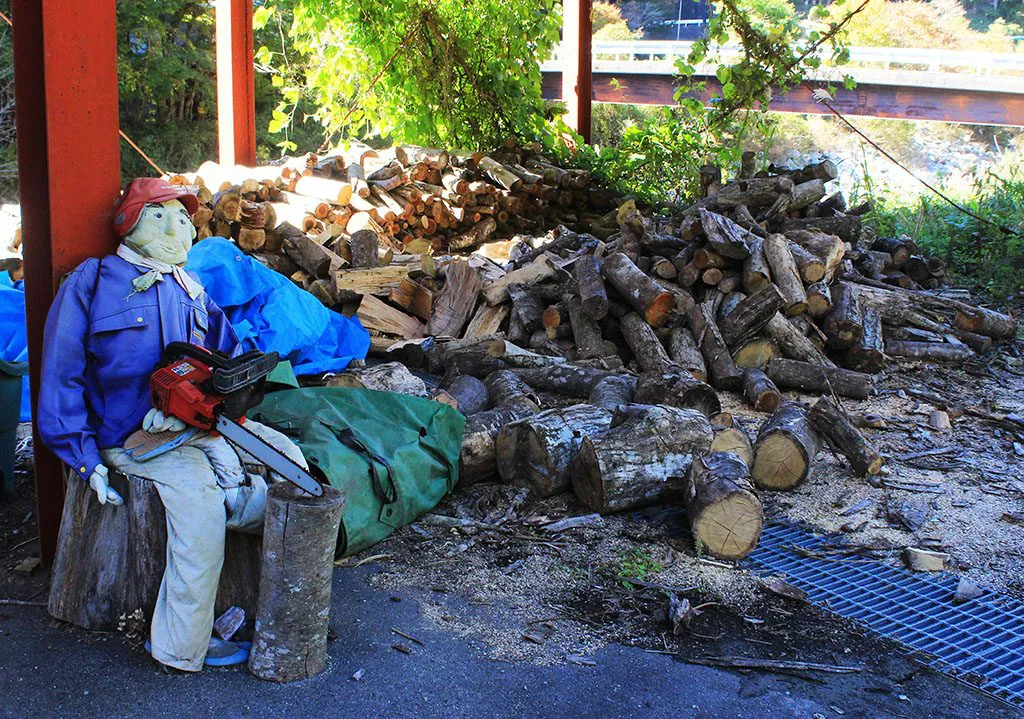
x=177, y=350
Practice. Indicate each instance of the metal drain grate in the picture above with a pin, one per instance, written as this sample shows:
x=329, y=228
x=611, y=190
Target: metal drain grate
x=981, y=642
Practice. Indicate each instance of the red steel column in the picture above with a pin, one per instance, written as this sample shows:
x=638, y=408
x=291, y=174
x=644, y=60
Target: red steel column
x=236, y=94
x=577, y=83
x=69, y=171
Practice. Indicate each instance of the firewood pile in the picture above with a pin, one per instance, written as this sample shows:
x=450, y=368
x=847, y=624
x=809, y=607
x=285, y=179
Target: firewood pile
x=591, y=360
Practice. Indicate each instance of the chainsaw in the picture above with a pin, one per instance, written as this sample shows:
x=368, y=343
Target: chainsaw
x=212, y=392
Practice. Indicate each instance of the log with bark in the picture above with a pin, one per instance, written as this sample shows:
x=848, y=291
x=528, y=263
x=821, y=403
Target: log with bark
x=387, y=377
x=735, y=440
x=478, y=457
x=868, y=353
x=760, y=391
x=612, y=392
x=642, y=460
x=724, y=373
x=832, y=423
x=643, y=293
x=751, y=314
x=928, y=351
x=470, y=394
x=455, y=303
x=725, y=514
x=536, y=452
x=300, y=537
x=811, y=378
x=684, y=352
x=785, y=448
x=678, y=389
x=784, y=274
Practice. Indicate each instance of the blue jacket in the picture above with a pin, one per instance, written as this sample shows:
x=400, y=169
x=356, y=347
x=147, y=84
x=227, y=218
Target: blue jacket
x=100, y=346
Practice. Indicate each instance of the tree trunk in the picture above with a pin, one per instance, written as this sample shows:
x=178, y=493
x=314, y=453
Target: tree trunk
x=814, y=379
x=478, y=457
x=832, y=423
x=725, y=514
x=677, y=389
x=564, y=379
x=612, y=392
x=785, y=448
x=734, y=440
x=760, y=391
x=387, y=377
x=643, y=293
x=751, y=314
x=868, y=353
x=300, y=537
x=110, y=560
x=844, y=326
x=643, y=460
x=756, y=272
x=683, y=350
x=819, y=299
x=986, y=322
x=536, y=452
x=784, y=274
x=470, y=394
x=585, y=330
x=723, y=371
x=647, y=348
x=928, y=351
x=590, y=284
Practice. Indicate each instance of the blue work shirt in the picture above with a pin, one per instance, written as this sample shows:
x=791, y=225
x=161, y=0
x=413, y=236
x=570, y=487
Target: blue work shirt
x=101, y=345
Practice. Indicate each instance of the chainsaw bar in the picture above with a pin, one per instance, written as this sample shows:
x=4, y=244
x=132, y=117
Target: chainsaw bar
x=272, y=458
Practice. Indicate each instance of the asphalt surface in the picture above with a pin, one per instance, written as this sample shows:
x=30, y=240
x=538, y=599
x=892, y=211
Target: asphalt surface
x=48, y=669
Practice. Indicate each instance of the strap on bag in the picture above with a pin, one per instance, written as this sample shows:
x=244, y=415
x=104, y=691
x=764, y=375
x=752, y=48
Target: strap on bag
x=387, y=493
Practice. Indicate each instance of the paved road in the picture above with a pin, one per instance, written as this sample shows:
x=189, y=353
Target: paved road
x=48, y=670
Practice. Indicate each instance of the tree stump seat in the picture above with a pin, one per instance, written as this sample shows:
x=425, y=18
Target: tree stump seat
x=110, y=560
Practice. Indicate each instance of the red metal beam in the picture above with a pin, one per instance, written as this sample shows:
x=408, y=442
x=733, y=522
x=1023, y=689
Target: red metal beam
x=236, y=95
x=65, y=69
x=577, y=86
x=977, y=107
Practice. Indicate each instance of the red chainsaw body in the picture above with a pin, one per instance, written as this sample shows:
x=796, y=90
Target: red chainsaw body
x=178, y=390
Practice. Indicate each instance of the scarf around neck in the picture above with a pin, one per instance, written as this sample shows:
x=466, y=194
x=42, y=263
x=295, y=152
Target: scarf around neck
x=156, y=273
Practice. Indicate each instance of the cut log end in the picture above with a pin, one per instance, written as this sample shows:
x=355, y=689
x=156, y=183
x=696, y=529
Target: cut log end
x=730, y=528
x=780, y=462
x=658, y=311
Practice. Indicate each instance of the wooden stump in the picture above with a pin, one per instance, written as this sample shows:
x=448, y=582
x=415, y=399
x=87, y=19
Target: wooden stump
x=299, y=540
x=643, y=460
x=536, y=452
x=785, y=448
x=725, y=514
x=110, y=560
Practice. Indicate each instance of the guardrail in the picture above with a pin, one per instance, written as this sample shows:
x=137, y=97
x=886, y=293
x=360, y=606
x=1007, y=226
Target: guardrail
x=659, y=56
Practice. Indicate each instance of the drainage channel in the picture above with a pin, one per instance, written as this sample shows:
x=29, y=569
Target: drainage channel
x=980, y=642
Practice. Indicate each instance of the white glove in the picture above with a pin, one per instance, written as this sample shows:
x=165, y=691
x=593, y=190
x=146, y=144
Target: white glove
x=156, y=421
x=98, y=481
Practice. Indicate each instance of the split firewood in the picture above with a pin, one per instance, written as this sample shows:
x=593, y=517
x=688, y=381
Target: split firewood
x=724, y=236
x=785, y=448
x=536, y=452
x=642, y=460
x=725, y=514
x=364, y=246
x=455, y=303
x=833, y=424
x=811, y=378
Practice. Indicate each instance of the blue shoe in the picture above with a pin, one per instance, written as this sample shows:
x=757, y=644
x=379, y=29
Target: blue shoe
x=221, y=653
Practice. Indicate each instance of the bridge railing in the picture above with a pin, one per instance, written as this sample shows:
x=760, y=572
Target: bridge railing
x=660, y=56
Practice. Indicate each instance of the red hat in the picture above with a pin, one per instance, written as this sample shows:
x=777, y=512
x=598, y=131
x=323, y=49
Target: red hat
x=143, y=191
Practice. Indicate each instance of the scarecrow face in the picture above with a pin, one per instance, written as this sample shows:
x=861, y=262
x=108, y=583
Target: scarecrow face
x=163, y=233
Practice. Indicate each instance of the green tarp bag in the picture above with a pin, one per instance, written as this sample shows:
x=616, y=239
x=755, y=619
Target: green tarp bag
x=393, y=456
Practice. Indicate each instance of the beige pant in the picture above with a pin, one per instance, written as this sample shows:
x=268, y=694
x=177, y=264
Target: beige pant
x=206, y=486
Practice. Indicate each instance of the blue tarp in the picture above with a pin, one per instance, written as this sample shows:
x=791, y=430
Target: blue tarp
x=271, y=314
x=13, y=342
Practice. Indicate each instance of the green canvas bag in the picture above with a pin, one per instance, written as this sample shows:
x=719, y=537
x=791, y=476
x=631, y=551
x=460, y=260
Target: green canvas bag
x=393, y=456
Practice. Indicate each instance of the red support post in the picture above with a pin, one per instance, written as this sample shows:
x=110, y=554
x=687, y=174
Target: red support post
x=577, y=67
x=236, y=94
x=65, y=70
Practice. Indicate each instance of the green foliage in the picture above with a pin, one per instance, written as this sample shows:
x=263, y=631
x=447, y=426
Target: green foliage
x=659, y=158
x=635, y=564
x=8, y=157
x=977, y=253
x=439, y=72
x=608, y=24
